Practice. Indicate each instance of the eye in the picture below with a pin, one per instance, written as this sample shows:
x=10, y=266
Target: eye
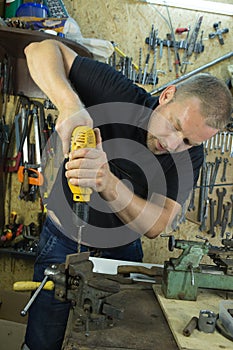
x=177, y=127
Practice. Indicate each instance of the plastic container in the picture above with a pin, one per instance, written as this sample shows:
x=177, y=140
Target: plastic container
x=31, y=9
x=224, y=315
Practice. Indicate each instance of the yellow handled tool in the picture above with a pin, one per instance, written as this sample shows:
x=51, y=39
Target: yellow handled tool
x=82, y=137
x=23, y=286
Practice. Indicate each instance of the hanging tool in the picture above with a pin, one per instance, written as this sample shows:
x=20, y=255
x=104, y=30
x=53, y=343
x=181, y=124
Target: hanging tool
x=218, y=32
x=153, y=76
x=145, y=69
x=160, y=48
x=82, y=137
x=151, y=41
x=41, y=120
x=177, y=57
x=194, y=35
x=21, y=134
x=122, y=54
x=168, y=42
x=221, y=196
x=34, y=177
x=225, y=218
x=37, y=137
x=30, y=170
x=4, y=141
x=181, y=30
x=211, y=230
x=191, y=44
x=140, y=66
x=199, y=47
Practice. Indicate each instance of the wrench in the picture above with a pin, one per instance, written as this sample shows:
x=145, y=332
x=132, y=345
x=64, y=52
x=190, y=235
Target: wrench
x=228, y=141
x=231, y=222
x=231, y=153
x=211, y=231
x=220, y=205
x=215, y=172
x=223, y=178
x=204, y=217
x=223, y=142
x=220, y=140
x=192, y=200
x=211, y=143
x=226, y=209
x=216, y=141
x=201, y=199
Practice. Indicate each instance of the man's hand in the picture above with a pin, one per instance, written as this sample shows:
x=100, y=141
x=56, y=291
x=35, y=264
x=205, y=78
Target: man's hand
x=88, y=167
x=66, y=125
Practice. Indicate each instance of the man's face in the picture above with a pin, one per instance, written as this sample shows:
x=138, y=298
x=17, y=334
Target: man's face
x=177, y=126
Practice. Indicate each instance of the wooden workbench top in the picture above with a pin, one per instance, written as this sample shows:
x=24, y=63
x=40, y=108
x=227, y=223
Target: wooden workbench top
x=180, y=312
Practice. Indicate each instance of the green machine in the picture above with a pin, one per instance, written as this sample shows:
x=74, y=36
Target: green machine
x=184, y=275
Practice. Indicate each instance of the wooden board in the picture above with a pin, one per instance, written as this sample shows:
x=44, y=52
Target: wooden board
x=180, y=312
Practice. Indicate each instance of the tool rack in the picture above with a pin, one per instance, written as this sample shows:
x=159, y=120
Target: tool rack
x=12, y=44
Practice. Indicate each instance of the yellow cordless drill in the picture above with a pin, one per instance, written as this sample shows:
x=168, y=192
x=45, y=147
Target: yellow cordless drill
x=82, y=137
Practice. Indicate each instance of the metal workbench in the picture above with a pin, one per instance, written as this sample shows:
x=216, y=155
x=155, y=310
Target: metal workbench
x=143, y=327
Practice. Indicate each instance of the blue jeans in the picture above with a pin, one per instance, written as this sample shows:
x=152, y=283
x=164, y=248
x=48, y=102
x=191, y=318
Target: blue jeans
x=47, y=317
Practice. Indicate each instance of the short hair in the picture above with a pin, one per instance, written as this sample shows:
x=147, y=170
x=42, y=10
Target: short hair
x=215, y=97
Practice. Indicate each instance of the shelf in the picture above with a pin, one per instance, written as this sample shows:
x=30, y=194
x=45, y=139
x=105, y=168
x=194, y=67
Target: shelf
x=17, y=253
x=12, y=43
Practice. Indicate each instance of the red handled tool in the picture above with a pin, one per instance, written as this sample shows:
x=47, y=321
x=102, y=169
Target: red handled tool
x=181, y=30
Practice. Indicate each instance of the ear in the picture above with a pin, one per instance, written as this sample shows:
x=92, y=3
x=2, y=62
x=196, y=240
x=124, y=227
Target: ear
x=167, y=94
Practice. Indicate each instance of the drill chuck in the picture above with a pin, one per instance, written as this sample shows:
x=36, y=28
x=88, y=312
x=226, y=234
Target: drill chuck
x=80, y=213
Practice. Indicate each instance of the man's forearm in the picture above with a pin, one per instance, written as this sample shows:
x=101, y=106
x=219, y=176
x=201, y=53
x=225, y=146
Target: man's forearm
x=52, y=79
x=149, y=218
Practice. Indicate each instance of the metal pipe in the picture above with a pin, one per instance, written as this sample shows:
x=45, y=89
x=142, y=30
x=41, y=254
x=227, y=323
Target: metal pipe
x=195, y=71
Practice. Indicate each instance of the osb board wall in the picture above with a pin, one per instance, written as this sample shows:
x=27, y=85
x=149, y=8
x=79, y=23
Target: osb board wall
x=14, y=269
x=128, y=23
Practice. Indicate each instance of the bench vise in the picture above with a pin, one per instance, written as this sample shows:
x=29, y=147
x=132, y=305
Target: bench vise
x=184, y=275
x=87, y=291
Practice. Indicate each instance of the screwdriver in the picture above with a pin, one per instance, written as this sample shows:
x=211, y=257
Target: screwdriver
x=82, y=137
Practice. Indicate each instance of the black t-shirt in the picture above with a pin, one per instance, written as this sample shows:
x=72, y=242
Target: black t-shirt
x=122, y=110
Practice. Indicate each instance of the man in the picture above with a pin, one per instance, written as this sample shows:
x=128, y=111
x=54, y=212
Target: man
x=147, y=159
